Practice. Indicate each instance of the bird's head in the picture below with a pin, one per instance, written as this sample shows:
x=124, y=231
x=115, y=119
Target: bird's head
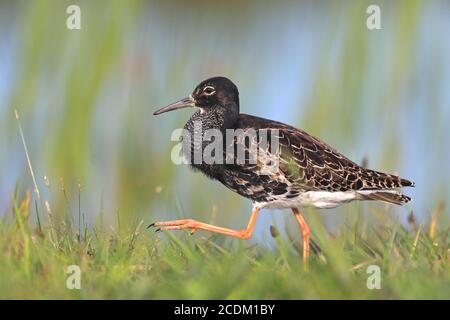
x=211, y=95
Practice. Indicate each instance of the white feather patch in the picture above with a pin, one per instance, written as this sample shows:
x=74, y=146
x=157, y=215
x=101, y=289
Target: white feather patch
x=317, y=199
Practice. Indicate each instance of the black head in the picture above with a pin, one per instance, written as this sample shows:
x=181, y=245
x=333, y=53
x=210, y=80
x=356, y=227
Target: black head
x=218, y=91
x=210, y=95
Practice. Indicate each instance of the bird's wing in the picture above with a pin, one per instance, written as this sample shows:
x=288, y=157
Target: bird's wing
x=310, y=164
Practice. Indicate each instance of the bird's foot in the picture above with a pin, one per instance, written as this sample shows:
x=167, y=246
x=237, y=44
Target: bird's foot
x=194, y=225
x=175, y=225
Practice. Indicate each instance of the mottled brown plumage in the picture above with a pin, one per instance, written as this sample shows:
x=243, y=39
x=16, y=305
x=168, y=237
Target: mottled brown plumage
x=306, y=164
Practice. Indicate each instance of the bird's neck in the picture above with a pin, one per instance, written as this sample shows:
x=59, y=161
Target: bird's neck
x=220, y=118
x=215, y=120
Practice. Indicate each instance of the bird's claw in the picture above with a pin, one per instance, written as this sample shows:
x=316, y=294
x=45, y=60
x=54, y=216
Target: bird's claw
x=151, y=225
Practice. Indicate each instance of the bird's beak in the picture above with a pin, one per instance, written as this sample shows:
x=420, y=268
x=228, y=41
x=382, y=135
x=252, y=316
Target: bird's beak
x=187, y=102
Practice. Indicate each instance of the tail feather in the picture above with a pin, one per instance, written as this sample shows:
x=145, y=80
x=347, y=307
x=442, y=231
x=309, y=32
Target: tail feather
x=406, y=183
x=386, y=196
x=384, y=181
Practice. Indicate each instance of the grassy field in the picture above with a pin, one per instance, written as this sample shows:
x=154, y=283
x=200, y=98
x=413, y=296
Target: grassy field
x=139, y=264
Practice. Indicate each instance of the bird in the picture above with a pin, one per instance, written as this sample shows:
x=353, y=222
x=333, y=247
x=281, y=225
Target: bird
x=308, y=172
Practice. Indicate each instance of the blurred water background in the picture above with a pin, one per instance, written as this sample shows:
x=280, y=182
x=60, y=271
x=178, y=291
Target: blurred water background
x=86, y=98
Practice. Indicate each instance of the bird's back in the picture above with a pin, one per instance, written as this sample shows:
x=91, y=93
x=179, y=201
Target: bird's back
x=306, y=166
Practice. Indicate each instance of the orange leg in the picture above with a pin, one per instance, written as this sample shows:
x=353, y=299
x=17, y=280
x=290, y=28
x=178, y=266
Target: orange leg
x=194, y=225
x=305, y=235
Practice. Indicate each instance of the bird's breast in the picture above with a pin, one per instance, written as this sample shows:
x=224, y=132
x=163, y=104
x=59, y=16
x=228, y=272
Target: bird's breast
x=202, y=144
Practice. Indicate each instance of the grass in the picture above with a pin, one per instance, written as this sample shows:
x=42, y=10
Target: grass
x=137, y=263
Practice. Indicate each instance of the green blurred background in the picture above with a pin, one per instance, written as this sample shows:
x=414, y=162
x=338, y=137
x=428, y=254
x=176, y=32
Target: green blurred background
x=86, y=97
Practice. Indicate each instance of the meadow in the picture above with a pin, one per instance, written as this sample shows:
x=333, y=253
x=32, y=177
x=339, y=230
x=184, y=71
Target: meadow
x=137, y=263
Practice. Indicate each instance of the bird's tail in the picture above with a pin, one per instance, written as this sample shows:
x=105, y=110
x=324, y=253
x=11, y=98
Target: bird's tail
x=386, y=181
x=390, y=196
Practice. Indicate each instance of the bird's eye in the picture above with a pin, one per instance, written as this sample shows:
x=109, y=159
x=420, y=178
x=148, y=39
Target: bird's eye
x=209, y=90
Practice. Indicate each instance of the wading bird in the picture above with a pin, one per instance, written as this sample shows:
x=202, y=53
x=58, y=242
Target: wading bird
x=308, y=172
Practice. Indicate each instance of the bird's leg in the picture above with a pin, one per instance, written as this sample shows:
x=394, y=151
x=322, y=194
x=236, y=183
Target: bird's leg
x=305, y=235
x=194, y=225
